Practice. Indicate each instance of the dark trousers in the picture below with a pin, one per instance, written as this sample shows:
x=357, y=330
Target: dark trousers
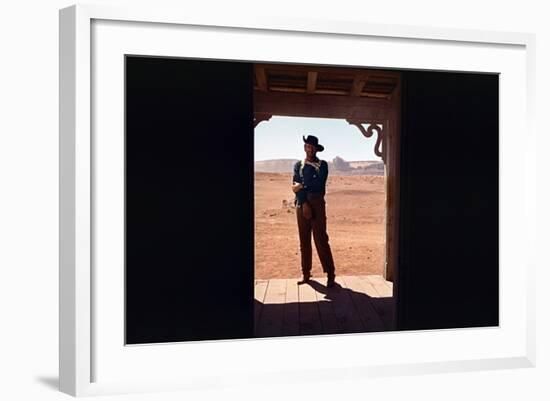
x=318, y=226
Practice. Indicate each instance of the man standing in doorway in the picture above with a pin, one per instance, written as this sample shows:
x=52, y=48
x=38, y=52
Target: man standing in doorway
x=308, y=185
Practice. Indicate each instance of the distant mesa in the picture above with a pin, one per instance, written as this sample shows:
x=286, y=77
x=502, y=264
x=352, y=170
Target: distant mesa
x=275, y=166
x=338, y=166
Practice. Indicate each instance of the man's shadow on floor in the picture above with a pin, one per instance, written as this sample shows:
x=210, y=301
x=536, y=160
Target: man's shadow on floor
x=338, y=295
x=345, y=304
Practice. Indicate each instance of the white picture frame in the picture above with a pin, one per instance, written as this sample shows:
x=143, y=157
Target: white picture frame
x=85, y=356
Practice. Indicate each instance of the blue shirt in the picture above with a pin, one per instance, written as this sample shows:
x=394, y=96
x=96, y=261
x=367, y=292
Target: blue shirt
x=313, y=180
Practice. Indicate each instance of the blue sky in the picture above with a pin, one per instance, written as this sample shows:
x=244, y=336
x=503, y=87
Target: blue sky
x=281, y=138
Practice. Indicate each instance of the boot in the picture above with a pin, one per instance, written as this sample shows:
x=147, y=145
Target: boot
x=305, y=278
x=331, y=283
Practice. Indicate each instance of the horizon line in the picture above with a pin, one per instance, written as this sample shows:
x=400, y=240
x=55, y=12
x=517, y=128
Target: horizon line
x=293, y=158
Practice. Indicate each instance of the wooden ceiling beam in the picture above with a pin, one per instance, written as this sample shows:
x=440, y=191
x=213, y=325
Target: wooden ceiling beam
x=332, y=92
x=287, y=89
x=311, y=81
x=377, y=95
x=261, y=78
x=357, y=86
x=363, y=73
x=338, y=92
x=396, y=90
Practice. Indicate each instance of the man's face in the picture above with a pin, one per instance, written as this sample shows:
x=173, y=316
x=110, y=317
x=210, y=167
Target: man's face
x=310, y=150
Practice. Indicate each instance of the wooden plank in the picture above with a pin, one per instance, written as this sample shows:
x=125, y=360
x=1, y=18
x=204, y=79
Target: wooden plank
x=311, y=81
x=357, y=86
x=364, y=73
x=344, y=310
x=291, y=318
x=286, y=89
x=332, y=92
x=366, y=311
x=379, y=283
x=326, y=310
x=367, y=287
x=328, y=106
x=271, y=319
x=383, y=303
x=395, y=91
x=310, y=321
x=376, y=95
x=259, y=296
x=261, y=78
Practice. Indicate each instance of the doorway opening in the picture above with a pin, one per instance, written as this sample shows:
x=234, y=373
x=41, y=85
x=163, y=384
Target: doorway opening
x=355, y=114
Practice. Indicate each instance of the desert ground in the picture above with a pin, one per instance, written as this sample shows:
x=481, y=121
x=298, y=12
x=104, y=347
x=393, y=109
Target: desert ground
x=355, y=208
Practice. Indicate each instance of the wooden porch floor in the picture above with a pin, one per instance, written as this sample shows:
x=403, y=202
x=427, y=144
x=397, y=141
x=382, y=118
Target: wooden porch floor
x=356, y=304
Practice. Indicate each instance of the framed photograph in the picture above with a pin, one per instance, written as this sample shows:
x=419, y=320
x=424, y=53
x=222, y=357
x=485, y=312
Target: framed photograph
x=237, y=192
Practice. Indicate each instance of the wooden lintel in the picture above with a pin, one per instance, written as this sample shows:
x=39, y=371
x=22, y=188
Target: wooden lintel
x=285, y=98
x=321, y=106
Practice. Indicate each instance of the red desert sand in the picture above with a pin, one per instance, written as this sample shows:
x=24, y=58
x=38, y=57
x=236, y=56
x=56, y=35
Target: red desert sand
x=355, y=208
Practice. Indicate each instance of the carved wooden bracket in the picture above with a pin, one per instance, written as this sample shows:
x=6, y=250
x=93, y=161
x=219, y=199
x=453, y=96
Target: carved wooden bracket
x=259, y=117
x=379, y=148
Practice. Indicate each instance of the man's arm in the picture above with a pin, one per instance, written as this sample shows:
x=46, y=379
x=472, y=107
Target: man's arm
x=296, y=178
x=297, y=185
x=323, y=172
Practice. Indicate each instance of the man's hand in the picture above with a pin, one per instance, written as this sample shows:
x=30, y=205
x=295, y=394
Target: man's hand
x=296, y=187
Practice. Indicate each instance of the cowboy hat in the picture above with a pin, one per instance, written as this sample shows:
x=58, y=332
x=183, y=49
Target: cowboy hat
x=313, y=140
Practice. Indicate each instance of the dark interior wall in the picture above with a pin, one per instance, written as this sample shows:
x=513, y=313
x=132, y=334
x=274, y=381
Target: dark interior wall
x=189, y=200
x=448, y=264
